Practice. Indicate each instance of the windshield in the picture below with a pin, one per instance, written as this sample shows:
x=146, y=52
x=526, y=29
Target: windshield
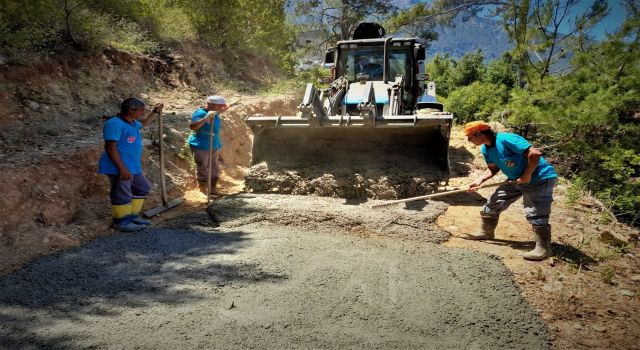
x=369, y=60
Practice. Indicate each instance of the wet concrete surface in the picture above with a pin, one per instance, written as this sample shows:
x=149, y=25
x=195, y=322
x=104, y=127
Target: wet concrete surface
x=315, y=273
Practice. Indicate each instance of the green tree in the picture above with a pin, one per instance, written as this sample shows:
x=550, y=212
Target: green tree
x=533, y=27
x=502, y=71
x=340, y=17
x=589, y=117
x=477, y=101
x=468, y=69
x=440, y=70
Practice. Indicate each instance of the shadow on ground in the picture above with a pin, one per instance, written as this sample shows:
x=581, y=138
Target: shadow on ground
x=459, y=159
x=563, y=252
x=572, y=255
x=128, y=270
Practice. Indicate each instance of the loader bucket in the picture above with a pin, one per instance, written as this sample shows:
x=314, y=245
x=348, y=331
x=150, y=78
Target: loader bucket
x=350, y=162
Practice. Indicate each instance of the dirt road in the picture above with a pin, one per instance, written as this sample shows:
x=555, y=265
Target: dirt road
x=271, y=279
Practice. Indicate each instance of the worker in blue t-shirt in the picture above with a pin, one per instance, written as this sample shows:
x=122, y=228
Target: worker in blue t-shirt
x=533, y=179
x=122, y=163
x=206, y=155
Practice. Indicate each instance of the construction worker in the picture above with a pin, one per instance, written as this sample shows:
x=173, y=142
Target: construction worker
x=533, y=179
x=205, y=153
x=122, y=163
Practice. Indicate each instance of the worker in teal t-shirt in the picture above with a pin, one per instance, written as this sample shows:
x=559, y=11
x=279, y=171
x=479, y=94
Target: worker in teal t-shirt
x=532, y=178
x=206, y=155
x=122, y=163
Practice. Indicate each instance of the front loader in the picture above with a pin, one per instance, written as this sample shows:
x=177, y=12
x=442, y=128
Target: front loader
x=377, y=113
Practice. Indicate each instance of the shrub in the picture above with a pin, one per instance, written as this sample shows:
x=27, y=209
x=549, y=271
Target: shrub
x=476, y=101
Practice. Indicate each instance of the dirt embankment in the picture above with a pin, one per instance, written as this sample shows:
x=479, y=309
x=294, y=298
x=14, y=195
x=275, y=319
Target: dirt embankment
x=50, y=137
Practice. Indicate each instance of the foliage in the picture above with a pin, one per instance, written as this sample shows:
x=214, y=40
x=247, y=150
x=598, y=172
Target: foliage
x=533, y=26
x=590, y=115
x=469, y=68
x=476, y=101
x=585, y=116
x=20, y=42
x=99, y=30
x=339, y=17
x=503, y=71
x=449, y=74
x=440, y=70
x=299, y=82
x=36, y=28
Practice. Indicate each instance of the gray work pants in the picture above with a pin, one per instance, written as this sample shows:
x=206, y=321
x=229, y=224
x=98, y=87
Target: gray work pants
x=537, y=198
x=201, y=157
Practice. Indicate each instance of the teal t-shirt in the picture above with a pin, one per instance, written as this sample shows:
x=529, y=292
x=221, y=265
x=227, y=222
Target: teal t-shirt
x=200, y=138
x=508, y=155
x=128, y=143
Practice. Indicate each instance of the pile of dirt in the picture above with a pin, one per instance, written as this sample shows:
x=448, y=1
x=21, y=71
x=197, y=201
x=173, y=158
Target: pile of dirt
x=415, y=221
x=342, y=182
x=346, y=163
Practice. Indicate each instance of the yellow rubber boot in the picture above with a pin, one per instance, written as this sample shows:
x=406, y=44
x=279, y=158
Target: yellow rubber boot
x=136, y=208
x=122, y=218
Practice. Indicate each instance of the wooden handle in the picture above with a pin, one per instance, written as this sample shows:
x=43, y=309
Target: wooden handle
x=163, y=186
x=210, y=161
x=388, y=204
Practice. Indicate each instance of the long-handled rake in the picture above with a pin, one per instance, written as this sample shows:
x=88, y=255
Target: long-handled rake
x=166, y=205
x=429, y=196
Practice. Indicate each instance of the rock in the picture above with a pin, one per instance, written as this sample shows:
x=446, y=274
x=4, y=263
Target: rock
x=635, y=278
x=627, y=293
x=599, y=328
x=3, y=59
x=613, y=238
x=33, y=105
x=570, y=219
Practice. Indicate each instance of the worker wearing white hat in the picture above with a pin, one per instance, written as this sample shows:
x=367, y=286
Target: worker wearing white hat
x=205, y=142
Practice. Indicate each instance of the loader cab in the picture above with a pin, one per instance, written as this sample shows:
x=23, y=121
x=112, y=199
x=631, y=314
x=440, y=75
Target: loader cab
x=364, y=59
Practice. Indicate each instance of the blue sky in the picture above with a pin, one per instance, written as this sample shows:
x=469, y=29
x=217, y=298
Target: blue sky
x=610, y=23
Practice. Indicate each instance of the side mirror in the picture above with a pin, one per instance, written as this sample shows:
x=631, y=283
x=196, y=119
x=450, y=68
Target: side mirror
x=329, y=59
x=421, y=54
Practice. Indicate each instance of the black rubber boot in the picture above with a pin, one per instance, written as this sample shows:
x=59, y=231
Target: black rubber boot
x=487, y=229
x=542, y=236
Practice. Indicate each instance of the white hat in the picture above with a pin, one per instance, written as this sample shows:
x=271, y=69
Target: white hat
x=215, y=99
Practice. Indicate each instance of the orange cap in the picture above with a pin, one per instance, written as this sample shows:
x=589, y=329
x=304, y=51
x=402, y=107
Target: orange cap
x=476, y=126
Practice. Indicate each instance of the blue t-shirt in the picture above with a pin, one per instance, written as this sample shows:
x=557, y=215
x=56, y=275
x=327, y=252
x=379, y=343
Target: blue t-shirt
x=200, y=138
x=128, y=143
x=508, y=155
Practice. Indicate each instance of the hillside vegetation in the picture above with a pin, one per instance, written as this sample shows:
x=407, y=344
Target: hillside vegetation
x=586, y=116
x=32, y=30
